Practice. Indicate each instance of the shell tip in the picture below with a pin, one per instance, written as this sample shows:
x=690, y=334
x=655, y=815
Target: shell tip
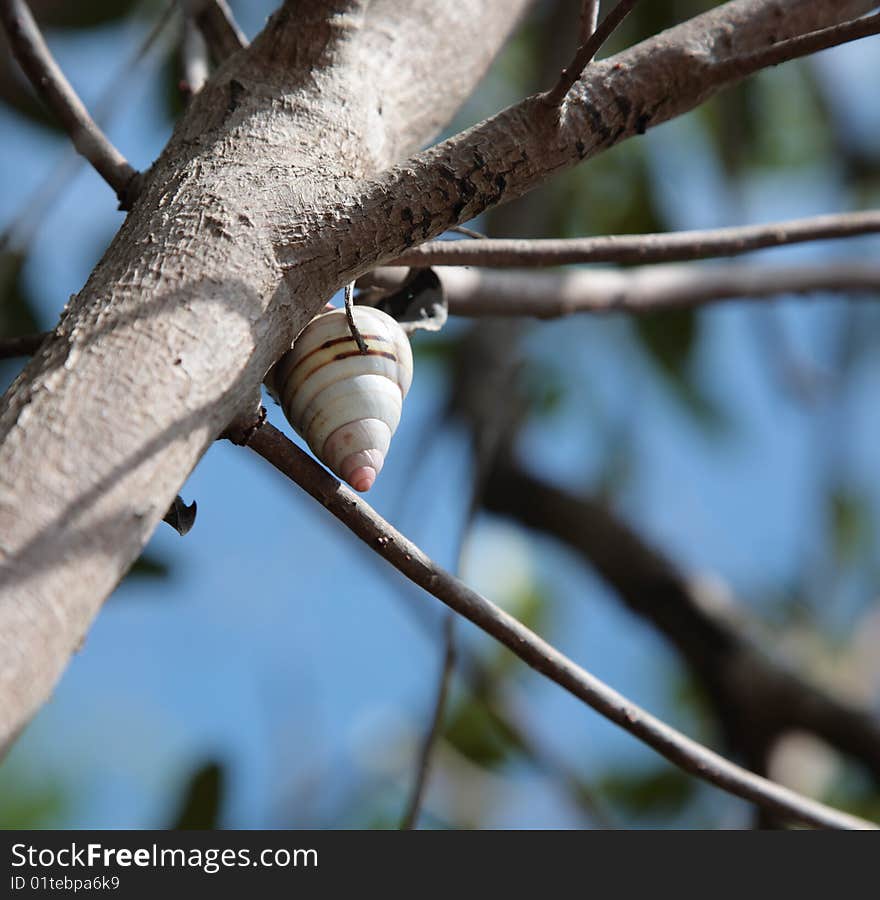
x=362, y=478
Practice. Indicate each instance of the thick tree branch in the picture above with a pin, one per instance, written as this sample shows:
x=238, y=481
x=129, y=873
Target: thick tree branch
x=188, y=308
x=646, y=289
x=215, y=21
x=511, y=153
x=677, y=246
x=405, y=556
x=53, y=88
x=757, y=699
x=264, y=203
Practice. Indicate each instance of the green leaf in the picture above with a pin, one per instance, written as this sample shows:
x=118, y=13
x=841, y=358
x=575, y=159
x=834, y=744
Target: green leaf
x=664, y=791
x=202, y=800
x=479, y=735
x=611, y=195
x=83, y=13
x=670, y=340
x=148, y=566
x=17, y=309
x=849, y=516
x=28, y=802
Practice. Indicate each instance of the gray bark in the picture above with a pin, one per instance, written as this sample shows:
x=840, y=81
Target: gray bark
x=274, y=191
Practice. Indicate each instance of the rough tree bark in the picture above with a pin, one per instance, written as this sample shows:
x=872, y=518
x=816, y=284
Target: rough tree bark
x=273, y=192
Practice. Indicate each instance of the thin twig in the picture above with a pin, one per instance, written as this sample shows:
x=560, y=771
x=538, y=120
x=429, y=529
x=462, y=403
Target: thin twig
x=715, y=644
x=469, y=232
x=20, y=230
x=485, y=457
x=589, y=20
x=803, y=45
x=349, y=314
x=411, y=815
x=676, y=246
x=587, y=51
x=218, y=27
x=24, y=345
x=194, y=58
x=502, y=709
x=378, y=534
x=53, y=88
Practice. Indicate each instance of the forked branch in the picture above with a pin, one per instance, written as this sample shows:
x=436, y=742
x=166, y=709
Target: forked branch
x=587, y=51
x=218, y=27
x=56, y=92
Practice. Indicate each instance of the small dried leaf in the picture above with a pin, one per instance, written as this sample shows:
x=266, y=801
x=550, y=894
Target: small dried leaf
x=419, y=304
x=180, y=516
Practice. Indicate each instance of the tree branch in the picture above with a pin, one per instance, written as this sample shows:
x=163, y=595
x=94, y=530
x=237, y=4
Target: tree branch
x=587, y=51
x=215, y=21
x=444, y=678
x=757, y=700
x=589, y=19
x=381, y=537
x=238, y=240
x=647, y=289
x=53, y=88
x=513, y=152
x=802, y=45
x=192, y=296
x=677, y=246
x=23, y=345
x=18, y=232
x=194, y=58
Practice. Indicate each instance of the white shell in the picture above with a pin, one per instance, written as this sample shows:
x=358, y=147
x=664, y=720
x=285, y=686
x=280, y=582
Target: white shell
x=346, y=404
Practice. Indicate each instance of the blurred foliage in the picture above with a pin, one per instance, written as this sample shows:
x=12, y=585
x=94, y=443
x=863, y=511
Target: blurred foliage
x=650, y=18
x=83, y=13
x=773, y=121
x=29, y=802
x=670, y=341
x=202, y=800
x=17, y=307
x=543, y=387
x=855, y=792
x=612, y=194
x=148, y=566
x=660, y=792
x=479, y=735
x=172, y=76
x=850, y=517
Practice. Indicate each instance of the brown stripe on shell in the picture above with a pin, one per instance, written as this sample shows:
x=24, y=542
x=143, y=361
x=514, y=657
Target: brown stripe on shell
x=340, y=340
x=339, y=356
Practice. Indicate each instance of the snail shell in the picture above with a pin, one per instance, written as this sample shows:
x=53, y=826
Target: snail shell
x=344, y=403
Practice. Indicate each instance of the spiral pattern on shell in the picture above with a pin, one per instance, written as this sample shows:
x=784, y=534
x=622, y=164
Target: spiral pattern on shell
x=344, y=403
